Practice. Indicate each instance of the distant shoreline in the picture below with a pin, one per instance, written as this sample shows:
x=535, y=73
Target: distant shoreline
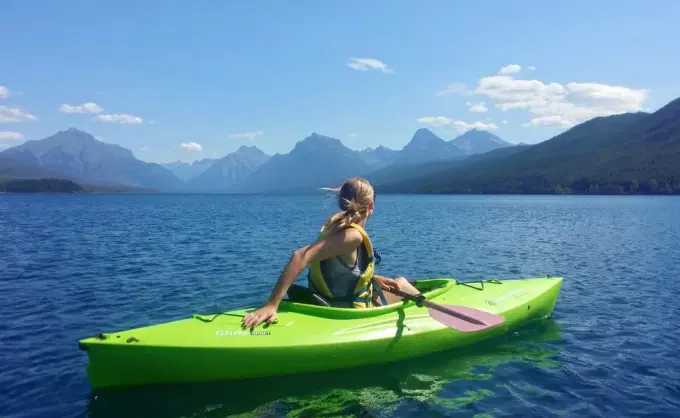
x=64, y=186
x=284, y=194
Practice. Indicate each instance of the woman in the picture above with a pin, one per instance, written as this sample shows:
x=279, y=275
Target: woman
x=341, y=261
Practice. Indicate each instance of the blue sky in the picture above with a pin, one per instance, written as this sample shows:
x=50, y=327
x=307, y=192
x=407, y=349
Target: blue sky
x=152, y=76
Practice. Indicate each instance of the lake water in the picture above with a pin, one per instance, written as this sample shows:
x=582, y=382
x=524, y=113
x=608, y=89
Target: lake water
x=72, y=266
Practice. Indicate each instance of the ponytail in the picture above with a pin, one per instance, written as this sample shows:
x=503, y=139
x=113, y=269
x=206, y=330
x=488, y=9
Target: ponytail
x=354, y=199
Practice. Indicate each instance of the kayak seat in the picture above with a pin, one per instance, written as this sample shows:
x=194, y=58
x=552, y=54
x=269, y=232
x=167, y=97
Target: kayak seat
x=302, y=294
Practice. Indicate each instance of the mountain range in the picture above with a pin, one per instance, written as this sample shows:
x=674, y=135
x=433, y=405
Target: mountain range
x=229, y=171
x=314, y=162
x=626, y=153
x=632, y=153
x=186, y=171
x=77, y=155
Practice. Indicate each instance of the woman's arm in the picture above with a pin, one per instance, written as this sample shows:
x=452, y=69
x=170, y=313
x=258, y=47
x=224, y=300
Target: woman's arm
x=338, y=244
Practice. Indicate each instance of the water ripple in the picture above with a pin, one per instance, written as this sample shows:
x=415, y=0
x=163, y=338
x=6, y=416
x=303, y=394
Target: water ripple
x=71, y=266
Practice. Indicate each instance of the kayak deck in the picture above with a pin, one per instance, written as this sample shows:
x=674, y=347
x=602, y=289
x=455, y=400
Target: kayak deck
x=308, y=338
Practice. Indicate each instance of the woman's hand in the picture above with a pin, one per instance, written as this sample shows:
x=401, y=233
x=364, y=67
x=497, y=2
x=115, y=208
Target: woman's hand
x=267, y=314
x=387, y=284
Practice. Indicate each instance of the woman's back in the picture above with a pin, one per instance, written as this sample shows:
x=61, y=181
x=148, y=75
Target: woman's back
x=341, y=277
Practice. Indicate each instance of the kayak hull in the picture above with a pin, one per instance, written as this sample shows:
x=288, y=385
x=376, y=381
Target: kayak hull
x=309, y=338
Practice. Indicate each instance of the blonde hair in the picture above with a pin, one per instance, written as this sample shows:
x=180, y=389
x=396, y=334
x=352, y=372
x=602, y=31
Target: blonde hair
x=354, y=199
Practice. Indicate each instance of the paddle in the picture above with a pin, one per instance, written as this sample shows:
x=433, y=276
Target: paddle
x=460, y=318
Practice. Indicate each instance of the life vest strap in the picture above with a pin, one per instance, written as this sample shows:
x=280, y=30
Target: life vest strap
x=379, y=291
x=376, y=256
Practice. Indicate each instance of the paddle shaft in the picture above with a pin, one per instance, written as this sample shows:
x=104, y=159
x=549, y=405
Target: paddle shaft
x=437, y=307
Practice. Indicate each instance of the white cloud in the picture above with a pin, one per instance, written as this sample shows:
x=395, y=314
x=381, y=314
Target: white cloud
x=505, y=122
x=191, y=146
x=123, y=119
x=556, y=120
x=461, y=126
x=367, y=64
x=532, y=68
x=4, y=92
x=477, y=108
x=14, y=114
x=88, y=107
x=245, y=135
x=464, y=126
x=510, y=69
x=435, y=120
x=512, y=105
x=608, y=95
x=506, y=89
x=553, y=104
x=455, y=88
x=10, y=136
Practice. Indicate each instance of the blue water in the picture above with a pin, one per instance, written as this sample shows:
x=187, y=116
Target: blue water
x=72, y=266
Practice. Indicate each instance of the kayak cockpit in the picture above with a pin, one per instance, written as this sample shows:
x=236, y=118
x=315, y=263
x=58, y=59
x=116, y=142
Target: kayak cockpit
x=301, y=300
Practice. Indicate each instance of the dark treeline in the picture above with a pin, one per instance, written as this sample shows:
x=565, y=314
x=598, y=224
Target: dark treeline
x=53, y=185
x=538, y=185
x=40, y=186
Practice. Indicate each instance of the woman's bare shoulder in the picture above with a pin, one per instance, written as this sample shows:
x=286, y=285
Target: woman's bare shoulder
x=345, y=235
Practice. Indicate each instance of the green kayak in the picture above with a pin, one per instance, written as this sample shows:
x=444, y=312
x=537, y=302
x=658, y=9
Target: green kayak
x=309, y=338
